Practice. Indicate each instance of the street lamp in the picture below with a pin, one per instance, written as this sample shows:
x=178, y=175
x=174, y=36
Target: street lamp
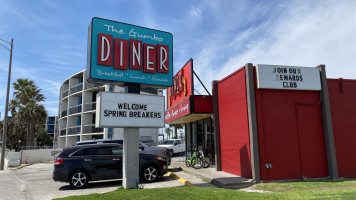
x=6, y=106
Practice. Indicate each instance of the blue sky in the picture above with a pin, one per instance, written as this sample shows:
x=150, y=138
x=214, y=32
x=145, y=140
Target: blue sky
x=50, y=37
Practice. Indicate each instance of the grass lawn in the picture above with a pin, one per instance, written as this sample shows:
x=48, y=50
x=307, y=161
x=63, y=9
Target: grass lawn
x=324, y=189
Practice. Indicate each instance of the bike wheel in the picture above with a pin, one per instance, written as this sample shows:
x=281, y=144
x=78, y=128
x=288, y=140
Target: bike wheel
x=196, y=163
x=205, y=162
x=188, y=160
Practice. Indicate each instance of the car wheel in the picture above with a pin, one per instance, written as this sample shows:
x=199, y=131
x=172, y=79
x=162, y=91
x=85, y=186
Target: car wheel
x=149, y=174
x=171, y=153
x=78, y=179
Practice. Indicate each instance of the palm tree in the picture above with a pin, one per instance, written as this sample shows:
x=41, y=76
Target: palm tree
x=26, y=91
x=25, y=106
x=168, y=131
x=176, y=127
x=32, y=114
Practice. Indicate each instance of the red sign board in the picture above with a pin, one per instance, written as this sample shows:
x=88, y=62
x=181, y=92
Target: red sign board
x=179, y=110
x=182, y=85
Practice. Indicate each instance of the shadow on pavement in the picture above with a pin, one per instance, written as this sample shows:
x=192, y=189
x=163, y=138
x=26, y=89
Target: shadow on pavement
x=175, y=169
x=116, y=183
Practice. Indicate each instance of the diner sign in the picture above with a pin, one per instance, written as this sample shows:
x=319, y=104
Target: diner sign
x=119, y=52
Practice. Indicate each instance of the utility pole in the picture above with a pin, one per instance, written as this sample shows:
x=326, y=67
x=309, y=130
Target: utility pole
x=6, y=107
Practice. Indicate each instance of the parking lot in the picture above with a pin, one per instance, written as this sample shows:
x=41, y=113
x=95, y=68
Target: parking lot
x=35, y=182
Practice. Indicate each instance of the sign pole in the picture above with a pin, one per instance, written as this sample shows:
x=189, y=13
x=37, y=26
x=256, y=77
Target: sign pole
x=3, y=147
x=130, y=178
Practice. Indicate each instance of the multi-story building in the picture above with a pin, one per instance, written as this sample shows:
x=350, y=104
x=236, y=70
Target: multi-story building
x=51, y=126
x=77, y=107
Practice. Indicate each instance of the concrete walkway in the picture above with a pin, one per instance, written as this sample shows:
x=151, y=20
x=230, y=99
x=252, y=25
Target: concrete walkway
x=219, y=178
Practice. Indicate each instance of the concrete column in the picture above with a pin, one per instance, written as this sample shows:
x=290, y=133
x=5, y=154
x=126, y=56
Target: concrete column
x=216, y=127
x=327, y=125
x=130, y=161
x=252, y=125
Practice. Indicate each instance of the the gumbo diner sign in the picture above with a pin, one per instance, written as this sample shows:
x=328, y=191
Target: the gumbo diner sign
x=127, y=53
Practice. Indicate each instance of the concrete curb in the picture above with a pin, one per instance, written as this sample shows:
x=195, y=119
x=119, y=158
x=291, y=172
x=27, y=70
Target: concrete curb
x=183, y=181
x=217, y=182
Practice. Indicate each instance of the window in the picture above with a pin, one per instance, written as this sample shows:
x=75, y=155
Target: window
x=117, y=151
x=100, y=151
x=79, y=120
x=80, y=100
x=81, y=152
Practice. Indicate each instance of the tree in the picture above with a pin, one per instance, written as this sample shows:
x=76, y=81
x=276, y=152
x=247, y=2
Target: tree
x=16, y=133
x=26, y=91
x=43, y=137
x=176, y=127
x=25, y=108
x=32, y=114
x=168, y=131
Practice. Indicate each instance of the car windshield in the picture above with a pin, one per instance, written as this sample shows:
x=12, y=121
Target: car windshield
x=168, y=142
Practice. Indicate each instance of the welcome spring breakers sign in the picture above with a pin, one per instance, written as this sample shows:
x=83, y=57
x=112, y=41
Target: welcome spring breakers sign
x=129, y=110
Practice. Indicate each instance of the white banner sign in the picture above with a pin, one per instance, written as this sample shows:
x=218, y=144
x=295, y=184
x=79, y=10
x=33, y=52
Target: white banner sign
x=287, y=77
x=117, y=110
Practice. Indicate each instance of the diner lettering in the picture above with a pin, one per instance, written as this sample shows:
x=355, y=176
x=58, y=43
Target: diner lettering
x=132, y=54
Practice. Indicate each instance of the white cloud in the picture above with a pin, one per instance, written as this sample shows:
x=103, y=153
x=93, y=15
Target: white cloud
x=195, y=12
x=307, y=37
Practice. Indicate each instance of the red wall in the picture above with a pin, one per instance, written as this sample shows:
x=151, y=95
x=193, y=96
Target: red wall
x=203, y=104
x=290, y=134
x=234, y=134
x=343, y=111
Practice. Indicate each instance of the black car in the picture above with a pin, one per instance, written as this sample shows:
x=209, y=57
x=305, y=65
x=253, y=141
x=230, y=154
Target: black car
x=80, y=164
x=159, y=151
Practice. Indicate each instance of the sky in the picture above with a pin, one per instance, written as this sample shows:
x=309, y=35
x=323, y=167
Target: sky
x=50, y=37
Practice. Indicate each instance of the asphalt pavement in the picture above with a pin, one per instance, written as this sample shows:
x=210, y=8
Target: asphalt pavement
x=34, y=182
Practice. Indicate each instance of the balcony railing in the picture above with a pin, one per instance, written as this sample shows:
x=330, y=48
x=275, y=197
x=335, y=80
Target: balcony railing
x=76, y=88
x=63, y=132
x=74, y=130
x=64, y=113
x=92, y=85
x=65, y=93
x=75, y=109
x=89, y=106
x=91, y=129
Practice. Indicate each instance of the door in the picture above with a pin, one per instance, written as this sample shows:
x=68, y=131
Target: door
x=102, y=163
x=311, y=142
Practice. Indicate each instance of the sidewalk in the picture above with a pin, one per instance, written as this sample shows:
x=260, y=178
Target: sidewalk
x=219, y=178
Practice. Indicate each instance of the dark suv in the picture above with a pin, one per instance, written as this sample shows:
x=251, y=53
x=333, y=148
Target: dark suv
x=80, y=164
x=155, y=150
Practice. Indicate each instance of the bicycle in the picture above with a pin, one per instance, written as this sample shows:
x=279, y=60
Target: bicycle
x=193, y=159
x=205, y=161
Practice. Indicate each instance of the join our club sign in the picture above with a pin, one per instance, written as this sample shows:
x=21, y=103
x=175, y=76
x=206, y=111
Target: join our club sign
x=287, y=77
x=122, y=52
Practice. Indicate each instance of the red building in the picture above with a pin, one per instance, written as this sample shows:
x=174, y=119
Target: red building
x=282, y=122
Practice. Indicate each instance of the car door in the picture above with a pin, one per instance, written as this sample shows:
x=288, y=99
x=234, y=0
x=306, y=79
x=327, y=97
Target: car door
x=180, y=146
x=102, y=163
x=117, y=156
